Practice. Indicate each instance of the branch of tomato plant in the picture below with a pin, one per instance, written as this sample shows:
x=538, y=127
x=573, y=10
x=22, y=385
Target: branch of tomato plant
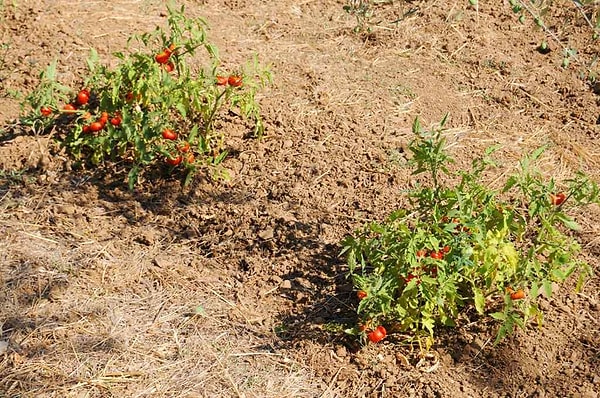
x=538, y=20
x=209, y=122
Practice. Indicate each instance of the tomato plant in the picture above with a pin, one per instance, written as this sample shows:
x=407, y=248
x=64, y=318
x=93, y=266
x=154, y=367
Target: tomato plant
x=153, y=88
x=464, y=244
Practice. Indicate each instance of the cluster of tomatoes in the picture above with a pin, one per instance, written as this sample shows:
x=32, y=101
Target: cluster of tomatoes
x=164, y=58
x=232, y=80
x=183, y=150
x=81, y=101
x=377, y=334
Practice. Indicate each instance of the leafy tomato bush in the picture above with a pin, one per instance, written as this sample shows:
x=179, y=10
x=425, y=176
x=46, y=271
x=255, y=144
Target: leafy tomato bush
x=150, y=105
x=466, y=244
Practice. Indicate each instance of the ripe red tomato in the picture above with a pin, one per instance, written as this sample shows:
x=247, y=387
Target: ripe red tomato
x=221, y=80
x=162, y=57
x=421, y=253
x=377, y=335
x=518, y=295
x=169, y=67
x=96, y=126
x=103, y=118
x=437, y=255
x=86, y=128
x=361, y=294
x=235, y=81
x=557, y=199
x=410, y=277
x=174, y=161
x=83, y=97
x=185, y=147
x=446, y=249
x=169, y=134
x=116, y=120
x=45, y=111
x=69, y=108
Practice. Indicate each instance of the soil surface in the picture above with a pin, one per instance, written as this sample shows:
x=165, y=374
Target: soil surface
x=226, y=289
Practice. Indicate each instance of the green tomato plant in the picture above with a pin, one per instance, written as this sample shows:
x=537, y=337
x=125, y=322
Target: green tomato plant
x=462, y=244
x=155, y=107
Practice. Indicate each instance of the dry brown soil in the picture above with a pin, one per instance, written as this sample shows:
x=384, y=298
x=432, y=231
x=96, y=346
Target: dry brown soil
x=234, y=289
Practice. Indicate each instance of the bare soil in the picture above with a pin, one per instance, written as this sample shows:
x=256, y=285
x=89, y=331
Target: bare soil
x=236, y=288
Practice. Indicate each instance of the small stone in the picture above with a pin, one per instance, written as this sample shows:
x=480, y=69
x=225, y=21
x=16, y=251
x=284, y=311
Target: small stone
x=341, y=352
x=66, y=209
x=286, y=284
x=266, y=234
x=3, y=346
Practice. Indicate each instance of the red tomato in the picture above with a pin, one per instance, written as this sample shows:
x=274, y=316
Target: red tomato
x=221, y=80
x=361, y=294
x=169, y=67
x=185, y=147
x=235, y=81
x=83, y=97
x=190, y=158
x=116, y=121
x=174, y=161
x=103, y=118
x=96, y=126
x=518, y=295
x=421, y=253
x=45, y=111
x=437, y=255
x=446, y=249
x=69, y=108
x=169, y=134
x=85, y=129
x=377, y=335
x=558, y=199
x=162, y=57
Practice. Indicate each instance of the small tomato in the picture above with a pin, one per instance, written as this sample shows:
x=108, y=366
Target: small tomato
x=45, y=111
x=446, y=249
x=361, y=294
x=83, y=97
x=437, y=255
x=518, y=295
x=169, y=134
x=558, y=199
x=96, y=126
x=221, y=80
x=377, y=335
x=421, y=253
x=115, y=121
x=69, y=108
x=162, y=57
x=174, y=161
x=169, y=67
x=185, y=147
x=235, y=81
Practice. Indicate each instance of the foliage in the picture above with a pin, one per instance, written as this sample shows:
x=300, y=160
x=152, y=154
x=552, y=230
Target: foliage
x=160, y=108
x=466, y=245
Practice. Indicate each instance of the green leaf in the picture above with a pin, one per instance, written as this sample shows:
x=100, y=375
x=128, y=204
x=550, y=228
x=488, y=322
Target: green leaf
x=479, y=300
x=500, y=316
x=568, y=222
x=547, y=286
